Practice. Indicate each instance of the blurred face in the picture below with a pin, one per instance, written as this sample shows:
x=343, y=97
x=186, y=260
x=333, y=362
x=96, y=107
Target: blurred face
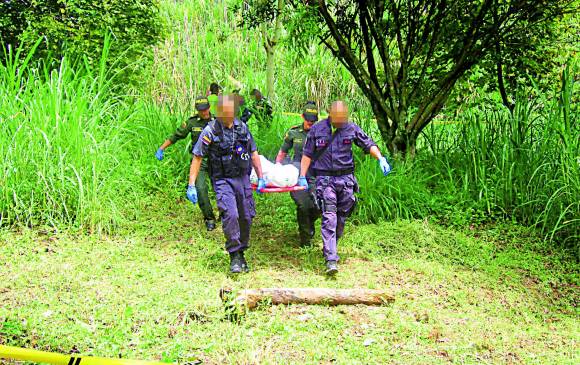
x=226, y=110
x=203, y=114
x=338, y=114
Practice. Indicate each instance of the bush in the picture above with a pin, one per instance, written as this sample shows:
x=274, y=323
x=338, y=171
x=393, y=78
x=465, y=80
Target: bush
x=78, y=28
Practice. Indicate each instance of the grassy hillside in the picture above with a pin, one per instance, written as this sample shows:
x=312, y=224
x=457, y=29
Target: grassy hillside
x=101, y=254
x=491, y=296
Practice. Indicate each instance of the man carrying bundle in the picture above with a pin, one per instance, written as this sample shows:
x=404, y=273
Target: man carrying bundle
x=230, y=148
x=328, y=154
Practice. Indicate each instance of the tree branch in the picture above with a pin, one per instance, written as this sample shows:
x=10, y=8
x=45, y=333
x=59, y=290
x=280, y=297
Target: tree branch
x=356, y=68
x=435, y=33
x=372, y=69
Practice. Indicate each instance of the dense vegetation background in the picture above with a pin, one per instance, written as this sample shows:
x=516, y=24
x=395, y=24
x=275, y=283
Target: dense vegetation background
x=78, y=128
x=477, y=235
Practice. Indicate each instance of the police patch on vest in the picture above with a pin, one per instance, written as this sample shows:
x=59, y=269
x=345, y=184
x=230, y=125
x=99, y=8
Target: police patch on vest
x=321, y=142
x=298, y=140
x=347, y=141
x=242, y=152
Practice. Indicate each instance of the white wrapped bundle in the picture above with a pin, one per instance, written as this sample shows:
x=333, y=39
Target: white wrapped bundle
x=266, y=167
x=282, y=176
x=275, y=175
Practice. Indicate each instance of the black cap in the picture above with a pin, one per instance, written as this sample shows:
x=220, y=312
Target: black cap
x=201, y=103
x=310, y=112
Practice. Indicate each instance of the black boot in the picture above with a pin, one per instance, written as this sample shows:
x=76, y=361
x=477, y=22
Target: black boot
x=209, y=224
x=236, y=263
x=331, y=267
x=245, y=267
x=306, y=238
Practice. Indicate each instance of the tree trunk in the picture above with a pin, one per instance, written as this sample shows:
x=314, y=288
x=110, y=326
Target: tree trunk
x=270, y=63
x=398, y=140
x=250, y=298
x=502, y=90
x=270, y=44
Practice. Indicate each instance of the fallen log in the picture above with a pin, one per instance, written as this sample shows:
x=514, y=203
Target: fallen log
x=250, y=298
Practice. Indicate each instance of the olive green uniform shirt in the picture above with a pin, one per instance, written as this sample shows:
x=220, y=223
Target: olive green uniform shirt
x=294, y=140
x=193, y=126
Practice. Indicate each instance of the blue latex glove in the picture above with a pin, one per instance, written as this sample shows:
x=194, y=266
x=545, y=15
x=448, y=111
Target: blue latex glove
x=159, y=154
x=303, y=182
x=261, y=186
x=385, y=167
x=192, y=194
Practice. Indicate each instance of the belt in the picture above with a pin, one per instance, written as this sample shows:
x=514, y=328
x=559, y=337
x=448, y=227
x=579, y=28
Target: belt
x=318, y=172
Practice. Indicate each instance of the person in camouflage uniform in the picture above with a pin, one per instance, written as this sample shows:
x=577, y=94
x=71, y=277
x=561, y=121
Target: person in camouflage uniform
x=194, y=126
x=243, y=113
x=306, y=211
x=262, y=109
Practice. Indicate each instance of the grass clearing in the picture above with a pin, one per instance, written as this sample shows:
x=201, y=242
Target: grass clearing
x=152, y=293
x=115, y=262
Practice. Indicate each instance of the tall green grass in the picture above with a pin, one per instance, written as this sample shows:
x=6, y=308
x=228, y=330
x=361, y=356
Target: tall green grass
x=207, y=45
x=523, y=166
x=72, y=145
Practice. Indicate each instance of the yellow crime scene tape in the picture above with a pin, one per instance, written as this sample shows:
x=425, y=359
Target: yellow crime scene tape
x=17, y=353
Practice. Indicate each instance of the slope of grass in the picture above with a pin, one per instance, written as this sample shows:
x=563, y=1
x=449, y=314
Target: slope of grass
x=492, y=296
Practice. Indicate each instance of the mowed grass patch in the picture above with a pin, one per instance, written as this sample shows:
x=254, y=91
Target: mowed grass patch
x=152, y=293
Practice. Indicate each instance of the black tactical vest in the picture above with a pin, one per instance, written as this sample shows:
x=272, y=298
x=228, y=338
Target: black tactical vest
x=229, y=157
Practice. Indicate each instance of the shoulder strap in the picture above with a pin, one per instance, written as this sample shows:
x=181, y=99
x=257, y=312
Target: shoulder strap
x=215, y=129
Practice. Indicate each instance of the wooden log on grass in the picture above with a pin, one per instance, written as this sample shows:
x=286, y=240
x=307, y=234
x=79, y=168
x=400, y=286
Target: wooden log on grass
x=250, y=298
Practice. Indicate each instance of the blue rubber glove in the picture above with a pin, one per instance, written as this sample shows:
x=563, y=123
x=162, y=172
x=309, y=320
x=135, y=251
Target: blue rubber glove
x=385, y=167
x=159, y=154
x=303, y=182
x=261, y=186
x=192, y=194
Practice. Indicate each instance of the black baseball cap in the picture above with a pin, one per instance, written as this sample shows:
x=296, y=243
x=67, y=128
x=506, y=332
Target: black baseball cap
x=201, y=103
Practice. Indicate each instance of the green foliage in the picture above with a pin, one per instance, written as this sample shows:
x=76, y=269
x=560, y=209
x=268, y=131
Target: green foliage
x=79, y=154
x=78, y=28
x=65, y=137
x=11, y=331
x=527, y=62
x=521, y=166
x=206, y=48
x=407, y=56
